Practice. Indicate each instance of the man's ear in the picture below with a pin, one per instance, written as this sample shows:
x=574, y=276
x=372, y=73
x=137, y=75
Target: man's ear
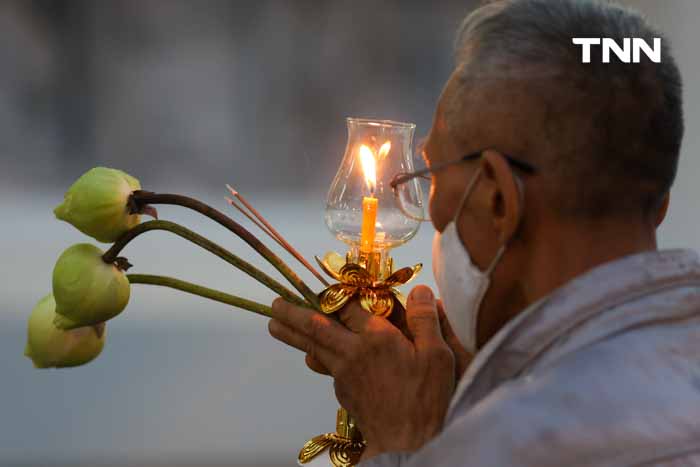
x=661, y=215
x=506, y=203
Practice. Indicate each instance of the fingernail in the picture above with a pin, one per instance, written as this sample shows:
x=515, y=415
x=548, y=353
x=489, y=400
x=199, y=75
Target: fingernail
x=422, y=294
x=277, y=304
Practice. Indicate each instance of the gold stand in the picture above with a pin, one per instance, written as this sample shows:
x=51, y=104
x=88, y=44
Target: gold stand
x=369, y=277
x=345, y=446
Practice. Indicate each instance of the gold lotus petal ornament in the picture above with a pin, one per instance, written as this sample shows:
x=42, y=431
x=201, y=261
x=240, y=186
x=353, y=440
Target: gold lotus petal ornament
x=346, y=453
x=376, y=297
x=355, y=275
x=343, y=452
x=403, y=276
x=335, y=296
x=314, y=446
x=378, y=301
x=331, y=264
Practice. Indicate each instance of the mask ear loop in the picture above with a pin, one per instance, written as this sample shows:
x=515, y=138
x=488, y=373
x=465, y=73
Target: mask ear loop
x=502, y=249
x=496, y=259
x=467, y=192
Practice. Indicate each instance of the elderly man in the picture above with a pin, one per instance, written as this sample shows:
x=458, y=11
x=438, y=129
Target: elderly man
x=586, y=338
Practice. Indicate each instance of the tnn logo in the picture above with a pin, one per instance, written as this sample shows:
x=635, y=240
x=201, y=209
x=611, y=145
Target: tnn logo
x=630, y=52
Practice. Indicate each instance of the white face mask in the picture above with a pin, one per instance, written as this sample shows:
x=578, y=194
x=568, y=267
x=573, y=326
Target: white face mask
x=461, y=284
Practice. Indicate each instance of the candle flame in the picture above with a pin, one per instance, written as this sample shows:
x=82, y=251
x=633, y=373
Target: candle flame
x=384, y=150
x=369, y=167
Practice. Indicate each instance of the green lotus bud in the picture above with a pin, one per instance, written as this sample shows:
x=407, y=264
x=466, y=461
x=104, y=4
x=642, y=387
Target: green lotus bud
x=50, y=347
x=97, y=204
x=87, y=290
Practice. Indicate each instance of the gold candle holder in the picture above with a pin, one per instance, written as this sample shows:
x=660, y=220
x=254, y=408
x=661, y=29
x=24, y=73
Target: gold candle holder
x=370, y=277
x=364, y=211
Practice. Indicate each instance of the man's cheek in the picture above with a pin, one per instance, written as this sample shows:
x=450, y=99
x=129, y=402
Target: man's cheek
x=439, y=209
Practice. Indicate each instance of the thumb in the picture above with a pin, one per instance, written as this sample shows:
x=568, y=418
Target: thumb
x=422, y=317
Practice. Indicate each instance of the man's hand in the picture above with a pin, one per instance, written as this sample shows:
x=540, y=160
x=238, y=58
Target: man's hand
x=398, y=389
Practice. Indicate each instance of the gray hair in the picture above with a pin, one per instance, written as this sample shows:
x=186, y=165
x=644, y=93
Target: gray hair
x=532, y=40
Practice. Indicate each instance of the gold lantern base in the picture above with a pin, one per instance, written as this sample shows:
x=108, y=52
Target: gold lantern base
x=369, y=277
x=345, y=446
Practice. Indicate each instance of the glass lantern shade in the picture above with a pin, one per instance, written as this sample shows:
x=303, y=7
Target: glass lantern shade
x=376, y=151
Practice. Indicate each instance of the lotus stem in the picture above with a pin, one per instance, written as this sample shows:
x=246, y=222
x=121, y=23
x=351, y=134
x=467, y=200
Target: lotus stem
x=201, y=291
x=113, y=252
x=139, y=199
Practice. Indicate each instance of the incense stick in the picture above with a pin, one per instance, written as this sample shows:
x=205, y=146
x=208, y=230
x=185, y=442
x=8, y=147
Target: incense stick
x=252, y=219
x=260, y=226
x=273, y=233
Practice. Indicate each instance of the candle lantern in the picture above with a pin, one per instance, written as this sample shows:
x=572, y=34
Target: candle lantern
x=371, y=218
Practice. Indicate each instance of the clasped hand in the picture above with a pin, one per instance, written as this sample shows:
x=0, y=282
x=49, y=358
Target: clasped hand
x=397, y=385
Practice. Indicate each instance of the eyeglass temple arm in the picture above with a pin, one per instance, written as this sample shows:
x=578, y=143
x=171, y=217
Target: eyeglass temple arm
x=404, y=177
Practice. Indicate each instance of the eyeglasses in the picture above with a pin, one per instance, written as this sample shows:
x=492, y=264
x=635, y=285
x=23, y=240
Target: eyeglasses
x=406, y=195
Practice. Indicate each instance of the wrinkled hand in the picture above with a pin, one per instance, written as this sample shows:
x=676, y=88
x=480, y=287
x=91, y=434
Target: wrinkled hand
x=397, y=386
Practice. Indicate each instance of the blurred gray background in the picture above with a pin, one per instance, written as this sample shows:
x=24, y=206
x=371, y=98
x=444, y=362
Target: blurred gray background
x=188, y=96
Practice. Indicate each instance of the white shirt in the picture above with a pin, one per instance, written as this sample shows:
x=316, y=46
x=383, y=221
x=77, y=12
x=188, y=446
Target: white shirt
x=605, y=371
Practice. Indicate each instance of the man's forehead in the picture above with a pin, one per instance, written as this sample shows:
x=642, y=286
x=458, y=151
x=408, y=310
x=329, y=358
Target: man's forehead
x=436, y=139
x=480, y=112
x=445, y=121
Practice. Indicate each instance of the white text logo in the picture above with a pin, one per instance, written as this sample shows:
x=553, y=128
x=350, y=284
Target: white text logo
x=630, y=51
